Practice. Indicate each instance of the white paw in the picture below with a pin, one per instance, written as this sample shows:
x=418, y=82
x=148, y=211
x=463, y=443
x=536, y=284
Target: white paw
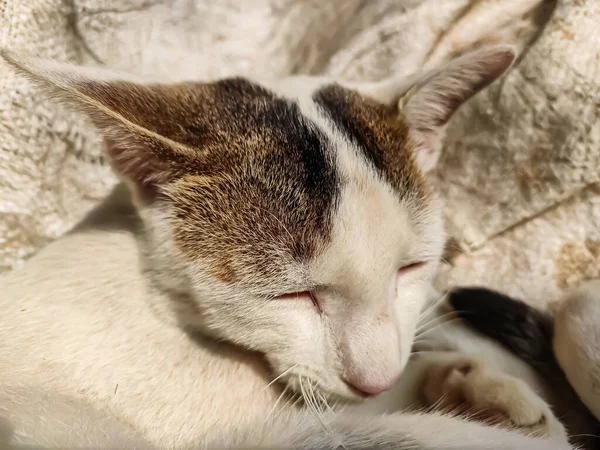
x=467, y=388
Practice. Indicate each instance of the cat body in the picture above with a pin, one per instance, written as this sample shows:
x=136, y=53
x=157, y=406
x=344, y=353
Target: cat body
x=147, y=380
x=275, y=238
x=89, y=372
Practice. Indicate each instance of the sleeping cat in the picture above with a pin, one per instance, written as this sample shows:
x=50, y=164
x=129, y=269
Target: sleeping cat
x=276, y=238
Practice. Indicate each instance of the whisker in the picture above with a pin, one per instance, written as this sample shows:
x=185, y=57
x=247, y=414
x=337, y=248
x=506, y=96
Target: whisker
x=418, y=353
x=325, y=403
x=307, y=399
x=293, y=399
x=318, y=412
x=440, y=319
x=313, y=398
x=302, y=389
x=449, y=244
x=279, y=376
x=339, y=444
x=298, y=400
x=276, y=403
x=431, y=307
x=420, y=340
x=426, y=332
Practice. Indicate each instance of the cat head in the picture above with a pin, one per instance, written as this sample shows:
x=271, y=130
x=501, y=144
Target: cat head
x=292, y=214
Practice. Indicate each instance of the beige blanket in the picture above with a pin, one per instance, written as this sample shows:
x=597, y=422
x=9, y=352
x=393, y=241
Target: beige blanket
x=520, y=172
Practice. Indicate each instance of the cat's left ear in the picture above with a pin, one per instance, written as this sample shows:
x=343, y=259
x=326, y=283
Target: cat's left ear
x=142, y=124
x=428, y=101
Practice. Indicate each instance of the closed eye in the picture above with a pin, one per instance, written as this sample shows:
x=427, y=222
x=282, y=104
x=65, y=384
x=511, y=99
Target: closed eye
x=302, y=295
x=410, y=267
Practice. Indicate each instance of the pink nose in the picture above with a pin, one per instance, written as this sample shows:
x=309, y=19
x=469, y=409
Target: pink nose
x=369, y=389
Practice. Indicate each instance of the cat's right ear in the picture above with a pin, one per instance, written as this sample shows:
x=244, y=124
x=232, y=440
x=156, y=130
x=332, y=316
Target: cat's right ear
x=134, y=118
x=428, y=101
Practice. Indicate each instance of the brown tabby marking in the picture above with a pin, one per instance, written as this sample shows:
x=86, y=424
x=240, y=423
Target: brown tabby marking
x=252, y=182
x=268, y=184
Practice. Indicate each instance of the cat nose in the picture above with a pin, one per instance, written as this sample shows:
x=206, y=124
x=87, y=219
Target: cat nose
x=367, y=389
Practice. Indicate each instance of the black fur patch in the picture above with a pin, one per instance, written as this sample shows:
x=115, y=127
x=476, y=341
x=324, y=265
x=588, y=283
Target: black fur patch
x=524, y=330
x=338, y=108
x=380, y=134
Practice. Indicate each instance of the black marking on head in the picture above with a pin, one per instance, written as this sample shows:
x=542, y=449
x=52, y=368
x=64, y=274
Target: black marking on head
x=380, y=134
x=338, y=108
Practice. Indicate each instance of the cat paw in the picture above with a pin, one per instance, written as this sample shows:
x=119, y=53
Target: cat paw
x=466, y=387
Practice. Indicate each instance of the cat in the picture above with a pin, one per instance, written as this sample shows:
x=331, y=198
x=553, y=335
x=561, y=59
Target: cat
x=270, y=237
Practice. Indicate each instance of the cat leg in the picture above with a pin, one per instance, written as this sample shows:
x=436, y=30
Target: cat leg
x=577, y=342
x=465, y=384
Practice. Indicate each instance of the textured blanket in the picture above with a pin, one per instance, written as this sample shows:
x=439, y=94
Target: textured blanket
x=520, y=170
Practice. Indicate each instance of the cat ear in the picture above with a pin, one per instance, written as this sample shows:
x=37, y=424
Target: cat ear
x=428, y=101
x=132, y=116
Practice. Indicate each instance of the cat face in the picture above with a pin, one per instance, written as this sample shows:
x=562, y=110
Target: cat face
x=311, y=234
x=293, y=214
